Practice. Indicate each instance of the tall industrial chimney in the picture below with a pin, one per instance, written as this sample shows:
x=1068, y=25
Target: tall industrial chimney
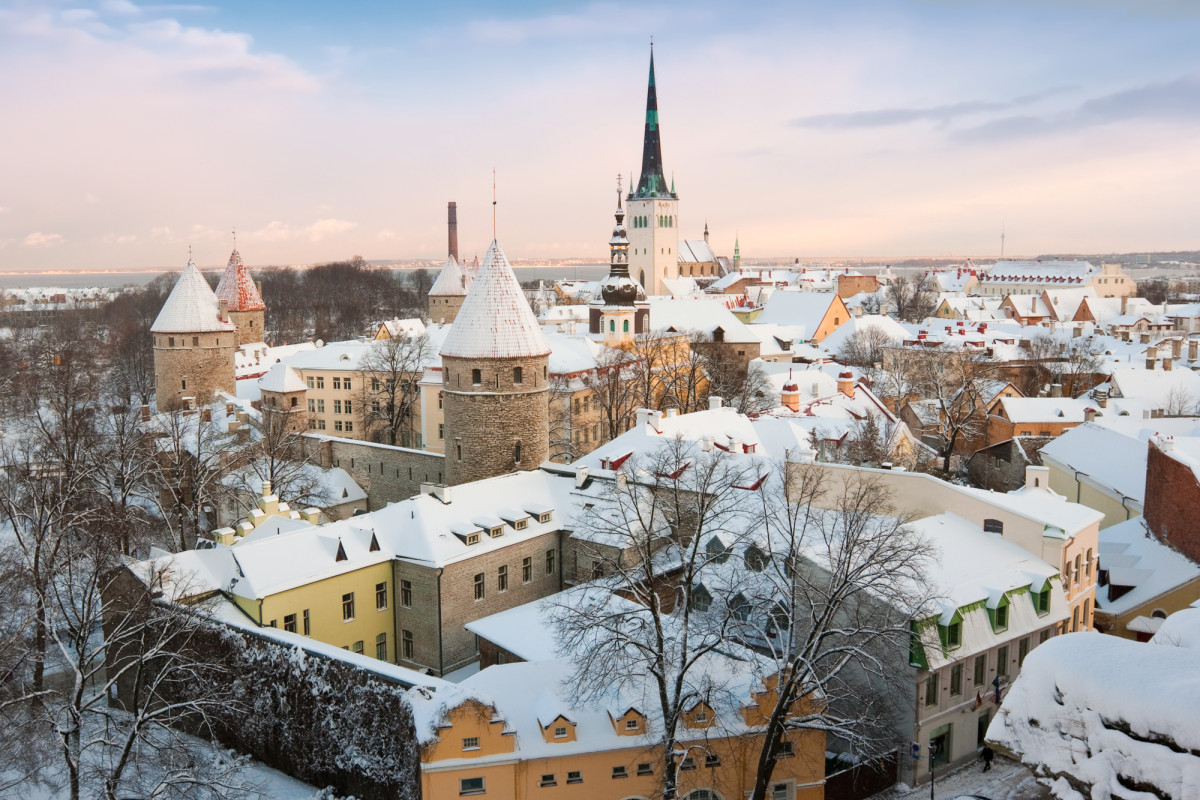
x=452, y=224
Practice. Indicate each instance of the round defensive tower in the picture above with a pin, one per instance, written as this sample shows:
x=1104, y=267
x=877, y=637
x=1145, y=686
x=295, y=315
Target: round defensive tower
x=243, y=301
x=495, y=362
x=194, y=342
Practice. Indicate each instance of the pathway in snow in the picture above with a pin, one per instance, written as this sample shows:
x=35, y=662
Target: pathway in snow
x=1006, y=780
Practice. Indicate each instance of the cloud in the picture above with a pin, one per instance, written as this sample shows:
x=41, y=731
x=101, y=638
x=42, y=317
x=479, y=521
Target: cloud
x=386, y=235
x=277, y=231
x=161, y=232
x=1170, y=101
x=591, y=22
x=943, y=114
x=329, y=227
x=39, y=239
x=113, y=238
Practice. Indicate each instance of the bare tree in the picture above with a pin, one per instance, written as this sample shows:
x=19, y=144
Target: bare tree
x=562, y=420
x=191, y=457
x=391, y=394
x=831, y=598
x=865, y=348
x=278, y=457
x=614, y=390
x=654, y=355
x=1062, y=360
x=911, y=297
x=950, y=379
x=646, y=544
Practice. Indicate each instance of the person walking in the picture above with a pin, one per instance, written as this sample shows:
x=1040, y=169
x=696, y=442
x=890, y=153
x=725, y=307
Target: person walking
x=988, y=755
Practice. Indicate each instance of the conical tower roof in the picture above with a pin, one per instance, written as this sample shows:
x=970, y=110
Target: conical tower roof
x=237, y=287
x=451, y=281
x=192, y=307
x=495, y=320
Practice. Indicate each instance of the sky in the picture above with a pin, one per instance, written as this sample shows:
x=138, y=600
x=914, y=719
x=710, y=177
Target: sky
x=131, y=131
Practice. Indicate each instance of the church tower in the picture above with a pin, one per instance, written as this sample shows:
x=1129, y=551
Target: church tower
x=495, y=364
x=621, y=311
x=242, y=300
x=653, y=210
x=194, y=342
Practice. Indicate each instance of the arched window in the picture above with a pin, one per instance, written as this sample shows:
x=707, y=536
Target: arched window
x=1087, y=610
x=625, y=325
x=1075, y=619
x=1087, y=565
x=517, y=376
x=612, y=326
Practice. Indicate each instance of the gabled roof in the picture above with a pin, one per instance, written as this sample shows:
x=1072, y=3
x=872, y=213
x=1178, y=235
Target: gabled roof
x=192, y=307
x=495, y=320
x=450, y=281
x=237, y=287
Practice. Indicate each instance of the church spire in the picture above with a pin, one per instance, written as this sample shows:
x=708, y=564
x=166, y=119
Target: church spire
x=618, y=289
x=653, y=183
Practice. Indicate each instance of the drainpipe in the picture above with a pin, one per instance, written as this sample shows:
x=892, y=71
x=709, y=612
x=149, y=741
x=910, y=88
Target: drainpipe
x=260, y=601
x=441, y=656
x=1078, y=485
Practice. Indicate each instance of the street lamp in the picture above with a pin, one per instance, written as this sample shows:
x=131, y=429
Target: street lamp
x=932, y=753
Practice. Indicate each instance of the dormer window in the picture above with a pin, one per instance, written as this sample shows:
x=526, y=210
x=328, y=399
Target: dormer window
x=560, y=732
x=496, y=532
x=701, y=716
x=631, y=724
x=545, y=517
x=520, y=524
x=472, y=538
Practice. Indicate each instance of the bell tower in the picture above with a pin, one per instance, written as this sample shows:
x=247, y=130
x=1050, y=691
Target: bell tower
x=621, y=311
x=653, y=209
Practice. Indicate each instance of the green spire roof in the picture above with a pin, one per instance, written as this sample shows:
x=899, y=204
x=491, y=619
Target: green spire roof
x=652, y=183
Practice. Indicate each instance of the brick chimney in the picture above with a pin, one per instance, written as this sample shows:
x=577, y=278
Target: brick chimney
x=452, y=228
x=1089, y=415
x=1056, y=390
x=1101, y=397
x=791, y=394
x=1167, y=362
x=845, y=384
x=1193, y=349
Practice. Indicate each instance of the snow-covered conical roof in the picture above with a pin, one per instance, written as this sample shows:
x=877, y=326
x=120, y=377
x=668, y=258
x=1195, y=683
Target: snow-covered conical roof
x=282, y=378
x=237, y=287
x=451, y=281
x=192, y=307
x=495, y=320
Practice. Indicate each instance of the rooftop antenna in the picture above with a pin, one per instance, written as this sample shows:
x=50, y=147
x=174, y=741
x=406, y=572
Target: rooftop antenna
x=493, y=203
x=235, y=237
x=189, y=251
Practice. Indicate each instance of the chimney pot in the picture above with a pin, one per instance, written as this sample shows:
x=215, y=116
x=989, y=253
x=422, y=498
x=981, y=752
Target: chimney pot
x=714, y=402
x=581, y=476
x=1037, y=477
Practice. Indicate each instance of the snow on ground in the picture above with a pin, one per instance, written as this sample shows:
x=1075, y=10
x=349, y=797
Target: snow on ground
x=1006, y=780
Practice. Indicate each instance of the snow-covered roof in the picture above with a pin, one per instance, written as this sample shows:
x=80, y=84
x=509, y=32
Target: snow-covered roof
x=450, y=280
x=237, y=287
x=1181, y=629
x=1048, y=271
x=281, y=378
x=1108, y=712
x=495, y=320
x=887, y=326
x=1046, y=409
x=797, y=308
x=410, y=327
x=693, y=251
x=698, y=314
x=1135, y=560
x=1111, y=459
x=1045, y=506
x=1158, y=387
x=192, y=307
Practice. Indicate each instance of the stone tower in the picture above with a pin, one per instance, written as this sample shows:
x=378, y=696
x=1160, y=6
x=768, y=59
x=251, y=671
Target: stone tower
x=194, y=342
x=621, y=311
x=283, y=400
x=243, y=301
x=494, y=373
x=448, y=292
x=653, y=210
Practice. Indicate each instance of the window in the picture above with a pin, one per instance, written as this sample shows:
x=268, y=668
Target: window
x=560, y=733
x=337, y=406
x=346, y=384
x=548, y=780
x=406, y=644
x=1043, y=636
x=274, y=623
x=502, y=579
x=1002, y=661
x=740, y=607
x=476, y=376
x=349, y=407
x=307, y=627
x=575, y=777
x=183, y=383
x=195, y=341
x=406, y=594
x=381, y=647
x=631, y=724
x=312, y=423
x=358, y=647
x=320, y=424
x=320, y=406
x=374, y=384
x=526, y=570
x=1087, y=565
x=993, y=526
x=1041, y=601
x=931, y=690
x=310, y=382
x=312, y=406
x=289, y=623
x=1022, y=651
x=320, y=381
x=645, y=769
x=471, y=743
x=700, y=599
x=956, y=679
x=337, y=383
x=517, y=459
x=470, y=786
x=337, y=425
x=380, y=596
x=786, y=749
x=517, y=375
x=754, y=559
x=348, y=606
x=349, y=426
x=549, y=562
x=688, y=763
x=620, y=772
x=954, y=635
x=712, y=760
x=441, y=430
x=479, y=586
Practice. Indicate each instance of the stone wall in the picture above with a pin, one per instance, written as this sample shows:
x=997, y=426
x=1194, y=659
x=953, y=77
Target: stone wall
x=249, y=326
x=444, y=308
x=186, y=369
x=486, y=421
x=386, y=473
